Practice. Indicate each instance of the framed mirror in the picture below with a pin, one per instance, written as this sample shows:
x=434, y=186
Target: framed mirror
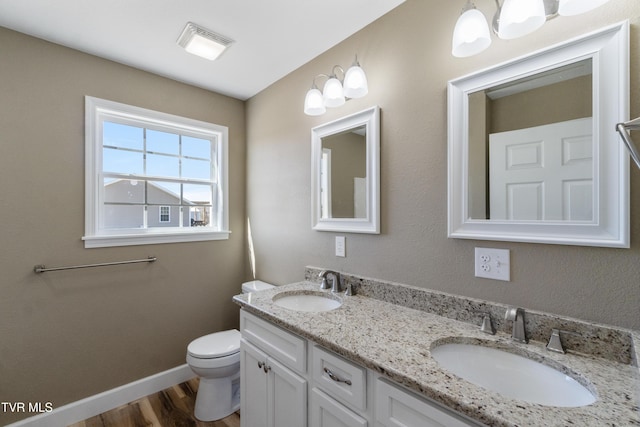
x=345, y=174
x=532, y=146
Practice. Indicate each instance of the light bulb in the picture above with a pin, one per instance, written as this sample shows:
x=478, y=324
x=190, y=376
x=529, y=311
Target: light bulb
x=576, y=7
x=355, y=82
x=313, y=102
x=333, y=93
x=521, y=17
x=471, y=34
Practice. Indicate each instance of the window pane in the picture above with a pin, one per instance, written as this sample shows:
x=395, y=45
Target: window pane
x=196, y=169
x=163, y=142
x=123, y=216
x=123, y=136
x=123, y=191
x=163, y=193
x=195, y=147
x=122, y=161
x=158, y=165
x=196, y=194
x=199, y=216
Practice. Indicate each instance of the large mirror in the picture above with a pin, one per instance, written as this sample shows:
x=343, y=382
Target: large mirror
x=533, y=151
x=345, y=174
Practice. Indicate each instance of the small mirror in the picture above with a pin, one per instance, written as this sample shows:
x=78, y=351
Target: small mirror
x=533, y=153
x=345, y=174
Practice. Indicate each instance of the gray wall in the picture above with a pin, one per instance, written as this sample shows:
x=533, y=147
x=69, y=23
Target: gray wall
x=68, y=335
x=407, y=57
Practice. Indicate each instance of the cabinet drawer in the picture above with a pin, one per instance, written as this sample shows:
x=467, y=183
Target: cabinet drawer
x=287, y=348
x=396, y=407
x=339, y=378
x=326, y=412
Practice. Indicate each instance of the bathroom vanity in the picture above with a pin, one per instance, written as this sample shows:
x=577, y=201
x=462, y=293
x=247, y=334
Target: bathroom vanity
x=369, y=362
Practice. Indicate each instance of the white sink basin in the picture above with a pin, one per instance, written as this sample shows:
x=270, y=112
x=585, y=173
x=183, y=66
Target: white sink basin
x=307, y=301
x=511, y=375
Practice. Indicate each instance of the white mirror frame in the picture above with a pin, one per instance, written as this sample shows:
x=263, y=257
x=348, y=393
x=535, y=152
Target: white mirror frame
x=371, y=223
x=609, y=50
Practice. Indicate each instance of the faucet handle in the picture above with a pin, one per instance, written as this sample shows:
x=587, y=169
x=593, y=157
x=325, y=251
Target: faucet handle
x=487, y=324
x=555, y=344
x=324, y=284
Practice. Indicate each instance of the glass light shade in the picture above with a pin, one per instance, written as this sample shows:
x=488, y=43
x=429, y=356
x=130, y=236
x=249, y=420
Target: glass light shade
x=471, y=34
x=333, y=93
x=314, y=103
x=521, y=17
x=355, y=82
x=576, y=7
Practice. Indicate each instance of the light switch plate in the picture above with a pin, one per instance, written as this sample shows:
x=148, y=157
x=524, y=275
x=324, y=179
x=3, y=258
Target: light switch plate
x=341, y=249
x=493, y=264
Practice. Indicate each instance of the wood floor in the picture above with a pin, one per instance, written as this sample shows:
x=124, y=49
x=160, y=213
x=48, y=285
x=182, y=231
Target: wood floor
x=172, y=407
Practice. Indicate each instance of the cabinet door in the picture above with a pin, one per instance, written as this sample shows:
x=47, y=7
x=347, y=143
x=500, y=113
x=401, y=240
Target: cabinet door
x=326, y=412
x=253, y=386
x=287, y=397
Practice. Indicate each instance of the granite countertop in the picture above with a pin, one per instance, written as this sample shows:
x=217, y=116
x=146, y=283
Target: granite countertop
x=396, y=341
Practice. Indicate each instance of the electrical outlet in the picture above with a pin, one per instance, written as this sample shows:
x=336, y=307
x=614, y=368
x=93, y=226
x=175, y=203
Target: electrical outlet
x=493, y=264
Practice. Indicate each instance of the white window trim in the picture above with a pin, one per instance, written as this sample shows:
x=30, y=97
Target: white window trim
x=95, y=110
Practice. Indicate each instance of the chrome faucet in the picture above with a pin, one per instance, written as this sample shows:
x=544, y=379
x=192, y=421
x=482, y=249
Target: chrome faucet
x=516, y=315
x=335, y=280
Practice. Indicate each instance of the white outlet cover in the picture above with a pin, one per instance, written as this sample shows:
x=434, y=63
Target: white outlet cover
x=493, y=263
x=341, y=250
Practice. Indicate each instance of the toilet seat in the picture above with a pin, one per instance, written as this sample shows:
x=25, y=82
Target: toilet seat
x=216, y=345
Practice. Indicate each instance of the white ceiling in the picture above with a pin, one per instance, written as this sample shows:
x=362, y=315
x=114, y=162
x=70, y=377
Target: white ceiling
x=272, y=37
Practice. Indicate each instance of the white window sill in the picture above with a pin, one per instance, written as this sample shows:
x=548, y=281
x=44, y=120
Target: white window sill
x=104, y=241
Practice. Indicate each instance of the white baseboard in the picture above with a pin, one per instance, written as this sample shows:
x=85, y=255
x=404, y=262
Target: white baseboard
x=110, y=399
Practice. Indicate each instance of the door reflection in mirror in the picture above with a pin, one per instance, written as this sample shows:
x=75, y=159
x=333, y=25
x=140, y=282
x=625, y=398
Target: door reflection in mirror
x=343, y=174
x=531, y=147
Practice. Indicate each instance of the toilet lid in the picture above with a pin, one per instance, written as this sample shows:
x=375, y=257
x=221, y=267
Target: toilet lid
x=214, y=345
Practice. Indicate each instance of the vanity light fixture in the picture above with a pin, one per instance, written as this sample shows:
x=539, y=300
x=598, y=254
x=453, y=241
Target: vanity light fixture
x=513, y=19
x=335, y=91
x=202, y=42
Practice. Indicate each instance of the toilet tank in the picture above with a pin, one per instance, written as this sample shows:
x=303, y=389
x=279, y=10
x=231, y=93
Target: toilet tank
x=255, y=285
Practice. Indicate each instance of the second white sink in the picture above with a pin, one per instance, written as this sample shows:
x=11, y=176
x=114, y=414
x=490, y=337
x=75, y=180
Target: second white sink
x=306, y=301
x=511, y=375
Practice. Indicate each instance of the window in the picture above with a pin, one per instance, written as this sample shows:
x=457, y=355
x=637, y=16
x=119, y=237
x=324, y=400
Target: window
x=152, y=177
x=165, y=213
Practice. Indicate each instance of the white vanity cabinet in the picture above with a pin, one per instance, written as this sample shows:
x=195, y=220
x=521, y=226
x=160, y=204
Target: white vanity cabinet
x=273, y=394
x=283, y=374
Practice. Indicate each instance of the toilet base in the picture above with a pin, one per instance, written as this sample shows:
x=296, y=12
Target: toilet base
x=217, y=398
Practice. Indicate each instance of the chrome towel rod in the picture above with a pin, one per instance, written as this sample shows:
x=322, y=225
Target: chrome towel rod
x=623, y=129
x=42, y=268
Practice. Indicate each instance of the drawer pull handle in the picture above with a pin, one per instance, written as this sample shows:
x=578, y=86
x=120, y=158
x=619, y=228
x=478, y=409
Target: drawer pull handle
x=264, y=367
x=335, y=378
x=260, y=365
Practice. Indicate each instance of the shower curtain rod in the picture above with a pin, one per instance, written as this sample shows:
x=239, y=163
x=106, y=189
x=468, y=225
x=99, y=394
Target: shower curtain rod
x=42, y=268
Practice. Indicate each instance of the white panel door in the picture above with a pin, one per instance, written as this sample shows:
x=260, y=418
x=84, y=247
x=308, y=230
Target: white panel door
x=542, y=173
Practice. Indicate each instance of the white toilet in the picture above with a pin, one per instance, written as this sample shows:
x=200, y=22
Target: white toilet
x=215, y=358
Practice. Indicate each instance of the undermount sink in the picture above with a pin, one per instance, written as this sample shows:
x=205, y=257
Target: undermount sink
x=512, y=375
x=317, y=301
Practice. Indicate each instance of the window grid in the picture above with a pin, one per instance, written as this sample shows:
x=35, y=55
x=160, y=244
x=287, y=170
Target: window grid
x=180, y=181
